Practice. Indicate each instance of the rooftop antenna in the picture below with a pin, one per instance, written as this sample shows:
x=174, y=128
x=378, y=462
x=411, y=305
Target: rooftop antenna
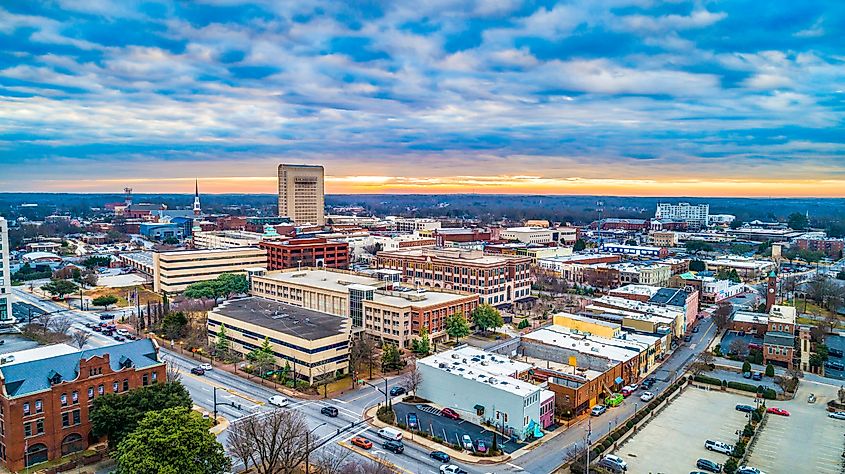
x=600, y=210
x=128, y=193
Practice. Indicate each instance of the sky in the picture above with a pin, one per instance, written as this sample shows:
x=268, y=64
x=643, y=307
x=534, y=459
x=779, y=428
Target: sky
x=621, y=97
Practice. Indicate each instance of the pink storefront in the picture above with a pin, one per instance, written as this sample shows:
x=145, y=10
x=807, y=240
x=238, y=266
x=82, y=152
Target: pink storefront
x=547, y=409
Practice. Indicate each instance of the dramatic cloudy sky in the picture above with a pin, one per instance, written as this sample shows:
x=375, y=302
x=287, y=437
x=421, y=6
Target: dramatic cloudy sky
x=589, y=96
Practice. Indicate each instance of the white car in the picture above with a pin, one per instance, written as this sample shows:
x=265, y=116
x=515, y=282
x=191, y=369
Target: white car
x=467, y=442
x=451, y=469
x=618, y=461
x=839, y=415
x=647, y=396
x=749, y=470
x=123, y=332
x=206, y=366
x=279, y=401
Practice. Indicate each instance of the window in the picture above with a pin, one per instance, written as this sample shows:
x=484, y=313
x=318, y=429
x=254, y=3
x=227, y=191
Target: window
x=101, y=389
x=125, y=384
x=155, y=376
x=27, y=430
x=39, y=427
x=75, y=396
x=64, y=399
x=77, y=417
x=145, y=380
x=90, y=392
x=26, y=409
x=39, y=406
x=65, y=419
x=115, y=386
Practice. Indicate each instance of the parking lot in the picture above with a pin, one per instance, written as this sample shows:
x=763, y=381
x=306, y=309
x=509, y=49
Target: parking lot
x=806, y=441
x=431, y=421
x=729, y=336
x=674, y=440
x=732, y=376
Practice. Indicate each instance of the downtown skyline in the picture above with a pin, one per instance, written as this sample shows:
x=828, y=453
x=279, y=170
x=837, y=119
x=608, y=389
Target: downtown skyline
x=613, y=97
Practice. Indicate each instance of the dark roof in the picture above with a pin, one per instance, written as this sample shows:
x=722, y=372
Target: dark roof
x=670, y=296
x=34, y=376
x=292, y=320
x=777, y=338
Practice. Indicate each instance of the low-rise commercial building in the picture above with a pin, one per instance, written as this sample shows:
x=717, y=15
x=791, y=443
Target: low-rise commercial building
x=571, y=267
x=641, y=316
x=412, y=224
x=528, y=235
x=711, y=289
x=46, y=395
x=162, y=231
x=379, y=306
x=663, y=238
x=748, y=269
x=779, y=342
x=830, y=247
x=497, y=280
x=306, y=252
x=460, y=235
x=315, y=345
x=224, y=239
x=174, y=270
x=484, y=388
x=639, y=251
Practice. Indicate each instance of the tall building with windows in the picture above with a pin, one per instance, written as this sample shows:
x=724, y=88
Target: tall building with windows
x=301, y=193
x=6, y=317
x=696, y=215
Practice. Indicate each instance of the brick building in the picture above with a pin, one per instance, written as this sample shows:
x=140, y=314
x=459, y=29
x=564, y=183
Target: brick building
x=306, y=252
x=831, y=247
x=779, y=341
x=461, y=235
x=46, y=394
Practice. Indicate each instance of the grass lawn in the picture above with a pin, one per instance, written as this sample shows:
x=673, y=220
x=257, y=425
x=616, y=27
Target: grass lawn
x=123, y=293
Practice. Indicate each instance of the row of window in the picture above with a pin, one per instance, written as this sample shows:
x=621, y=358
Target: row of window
x=257, y=336
x=252, y=347
x=38, y=405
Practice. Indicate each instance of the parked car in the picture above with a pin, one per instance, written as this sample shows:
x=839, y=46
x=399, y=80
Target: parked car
x=413, y=421
x=834, y=365
x=466, y=441
x=119, y=338
x=480, y=446
x=756, y=376
x=748, y=470
x=614, y=400
x=718, y=446
x=279, y=401
x=778, y=411
x=647, y=396
x=627, y=390
x=609, y=466
x=396, y=391
x=97, y=329
x=835, y=353
x=450, y=413
x=839, y=415
x=395, y=446
x=648, y=383
x=745, y=408
x=122, y=332
x=361, y=442
x=207, y=366
x=598, y=410
x=440, y=456
x=451, y=469
x=708, y=465
x=688, y=338
x=197, y=371
x=131, y=337
x=811, y=398
x=746, y=375
x=329, y=411
x=617, y=461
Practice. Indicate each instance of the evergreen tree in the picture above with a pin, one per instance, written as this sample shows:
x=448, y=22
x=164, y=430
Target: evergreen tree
x=457, y=326
x=422, y=346
x=223, y=343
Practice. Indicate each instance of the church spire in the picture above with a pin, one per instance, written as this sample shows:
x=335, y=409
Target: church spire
x=197, y=207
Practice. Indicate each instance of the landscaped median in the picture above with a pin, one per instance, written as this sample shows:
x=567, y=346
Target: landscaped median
x=737, y=387
x=371, y=414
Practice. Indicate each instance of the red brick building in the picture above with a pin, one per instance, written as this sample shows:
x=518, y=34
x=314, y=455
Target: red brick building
x=306, y=252
x=831, y=247
x=461, y=235
x=46, y=394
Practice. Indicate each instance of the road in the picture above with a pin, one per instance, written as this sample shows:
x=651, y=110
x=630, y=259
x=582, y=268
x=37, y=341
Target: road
x=250, y=397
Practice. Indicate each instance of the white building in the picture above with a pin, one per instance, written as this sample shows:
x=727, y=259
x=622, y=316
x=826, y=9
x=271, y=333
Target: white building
x=697, y=215
x=482, y=386
x=226, y=239
x=413, y=224
x=6, y=317
x=721, y=219
x=528, y=235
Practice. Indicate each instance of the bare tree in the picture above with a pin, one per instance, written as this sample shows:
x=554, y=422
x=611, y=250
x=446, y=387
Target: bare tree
x=707, y=358
x=61, y=324
x=171, y=371
x=703, y=363
x=722, y=316
x=412, y=379
x=45, y=321
x=80, y=338
x=271, y=443
x=738, y=347
x=363, y=354
x=788, y=382
x=372, y=467
x=331, y=460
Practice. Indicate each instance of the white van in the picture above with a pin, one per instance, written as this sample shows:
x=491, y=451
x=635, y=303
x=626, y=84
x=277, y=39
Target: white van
x=390, y=433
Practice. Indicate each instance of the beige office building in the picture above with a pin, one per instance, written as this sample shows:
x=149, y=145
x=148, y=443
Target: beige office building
x=302, y=193
x=383, y=309
x=173, y=271
x=315, y=345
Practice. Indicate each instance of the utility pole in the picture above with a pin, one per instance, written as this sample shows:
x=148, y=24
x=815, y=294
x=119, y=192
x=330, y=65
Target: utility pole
x=307, y=449
x=600, y=210
x=587, y=446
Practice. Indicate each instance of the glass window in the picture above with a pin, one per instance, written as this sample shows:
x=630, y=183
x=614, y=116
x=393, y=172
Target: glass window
x=26, y=409
x=125, y=384
x=64, y=399
x=27, y=429
x=39, y=426
x=75, y=396
x=115, y=386
x=39, y=406
x=76, y=417
x=145, y=380
x=65, y=419
x=90, y=392
x=101, y=389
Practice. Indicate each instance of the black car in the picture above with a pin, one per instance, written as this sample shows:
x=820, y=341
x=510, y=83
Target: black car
x=396, y=446
x=745, y=408
x=756, y=376
x=834, y=365
x=440, y=456
x=329, y=411
x=198, y=371
x=396, y=391
x=708, y=465
x=687, y=338
x=834, y=353
x=119, y=338
x=695, y=329
x=647, y=383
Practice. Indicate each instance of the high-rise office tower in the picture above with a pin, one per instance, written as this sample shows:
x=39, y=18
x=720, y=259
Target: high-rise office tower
x=6, y=317
x=301, y=193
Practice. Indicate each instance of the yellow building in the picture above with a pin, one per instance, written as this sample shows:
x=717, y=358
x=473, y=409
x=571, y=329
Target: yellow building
x=313, y=344
x=301, y=194
x=584, y=325
x=173, y=271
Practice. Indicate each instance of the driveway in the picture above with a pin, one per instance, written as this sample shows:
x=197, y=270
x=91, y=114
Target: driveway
x=431, y=421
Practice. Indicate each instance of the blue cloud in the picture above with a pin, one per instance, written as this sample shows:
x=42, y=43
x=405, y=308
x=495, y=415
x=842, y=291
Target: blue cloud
x=551, y=87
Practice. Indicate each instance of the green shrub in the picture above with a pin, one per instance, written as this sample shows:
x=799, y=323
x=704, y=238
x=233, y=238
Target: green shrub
x=730, y=466
x=739, y=450
x=630, y=424
x=756, y=416
x=770, y=370
x=708, y=380
x=717, y=350
x=748, y=430
x=769, y=394
x=745, y=387
x=746, y=366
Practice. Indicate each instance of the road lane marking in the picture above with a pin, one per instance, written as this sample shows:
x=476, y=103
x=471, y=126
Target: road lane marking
x=221, y=387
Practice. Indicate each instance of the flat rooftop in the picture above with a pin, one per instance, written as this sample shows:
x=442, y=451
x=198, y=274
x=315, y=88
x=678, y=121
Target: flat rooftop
x=189, y=252
x=750, y=317
x=484, y=367
x=641, y=290
x=619, y=350
x=144, y=258
x=324, y=279
x=415, y=298
x=284, y=318
x=586, y=319
x=566, y=369
x=458, y=254
x=639, y=306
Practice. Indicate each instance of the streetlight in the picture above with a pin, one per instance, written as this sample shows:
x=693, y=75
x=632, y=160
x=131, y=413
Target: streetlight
x=307, y=451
